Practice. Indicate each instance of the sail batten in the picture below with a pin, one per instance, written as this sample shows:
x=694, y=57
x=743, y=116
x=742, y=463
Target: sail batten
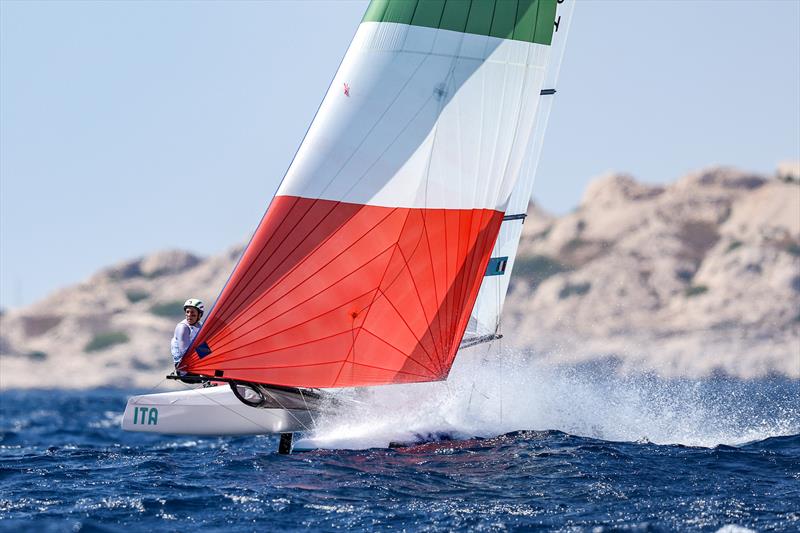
x=367, y=266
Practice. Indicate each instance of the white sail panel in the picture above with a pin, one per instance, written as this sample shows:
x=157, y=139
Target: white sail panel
x=421, y=117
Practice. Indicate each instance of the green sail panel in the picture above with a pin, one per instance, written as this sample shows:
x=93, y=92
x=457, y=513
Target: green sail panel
x=530, y=21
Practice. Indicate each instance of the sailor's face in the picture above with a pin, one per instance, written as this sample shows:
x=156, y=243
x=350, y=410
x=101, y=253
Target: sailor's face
x=192, y=316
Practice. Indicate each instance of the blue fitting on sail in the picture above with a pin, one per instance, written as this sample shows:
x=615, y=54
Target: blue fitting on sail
x=203, y=350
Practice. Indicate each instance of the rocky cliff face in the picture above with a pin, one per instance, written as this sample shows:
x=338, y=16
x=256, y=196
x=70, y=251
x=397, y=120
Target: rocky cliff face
x=695, y=278
x=699, y=277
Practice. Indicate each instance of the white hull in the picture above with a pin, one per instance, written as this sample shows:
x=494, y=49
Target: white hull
x=208, y=411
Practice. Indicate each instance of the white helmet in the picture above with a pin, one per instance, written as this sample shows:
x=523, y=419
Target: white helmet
x=197, y=304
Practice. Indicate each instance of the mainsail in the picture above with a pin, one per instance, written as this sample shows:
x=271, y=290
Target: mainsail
x=368, y=262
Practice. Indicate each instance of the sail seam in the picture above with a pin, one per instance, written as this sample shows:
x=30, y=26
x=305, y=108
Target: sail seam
x=435, y=290
x=392, y=282
x=413, y=334
x=289, y=329
x=436, y=362
x=245, y=284
x=368, y=134
x=387, y=343
x=223, y=308
x=306, y=279
x=369, y=307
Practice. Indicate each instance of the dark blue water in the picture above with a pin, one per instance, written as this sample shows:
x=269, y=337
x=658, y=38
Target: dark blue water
x=65, y=466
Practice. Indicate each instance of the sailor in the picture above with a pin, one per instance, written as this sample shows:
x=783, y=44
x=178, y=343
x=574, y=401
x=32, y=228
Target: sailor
x=187, y=329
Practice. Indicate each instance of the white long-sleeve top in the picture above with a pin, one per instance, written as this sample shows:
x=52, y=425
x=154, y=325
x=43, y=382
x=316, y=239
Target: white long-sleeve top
x=184, y=335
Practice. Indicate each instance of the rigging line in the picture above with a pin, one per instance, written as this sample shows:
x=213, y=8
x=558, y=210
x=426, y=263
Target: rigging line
x=266, y=390
x=160, y=382
x=498, y=302
x=502, y=379
x=310, y=413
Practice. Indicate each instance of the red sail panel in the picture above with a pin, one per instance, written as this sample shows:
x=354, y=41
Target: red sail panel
x=332, y=294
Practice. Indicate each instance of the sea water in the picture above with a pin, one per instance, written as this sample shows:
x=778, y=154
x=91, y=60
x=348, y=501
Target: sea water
x=496, y=447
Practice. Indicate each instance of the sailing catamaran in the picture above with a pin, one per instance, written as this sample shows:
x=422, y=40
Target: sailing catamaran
x=389, y=244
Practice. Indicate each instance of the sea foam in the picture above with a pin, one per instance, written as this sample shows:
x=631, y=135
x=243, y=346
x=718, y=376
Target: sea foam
x=494, y=393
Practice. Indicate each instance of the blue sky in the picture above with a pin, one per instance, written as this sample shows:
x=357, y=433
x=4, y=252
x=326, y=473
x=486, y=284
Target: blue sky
x=129, y=127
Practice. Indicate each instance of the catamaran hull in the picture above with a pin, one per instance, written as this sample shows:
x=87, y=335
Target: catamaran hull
x=208, y=411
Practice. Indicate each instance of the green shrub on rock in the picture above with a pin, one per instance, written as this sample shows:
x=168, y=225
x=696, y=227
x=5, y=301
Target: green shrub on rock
x=101, y=341
x=36, y=355
x=578, y=289
x=172, y=309
x=695, y=290
x=136, y=295
x=538, y=267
